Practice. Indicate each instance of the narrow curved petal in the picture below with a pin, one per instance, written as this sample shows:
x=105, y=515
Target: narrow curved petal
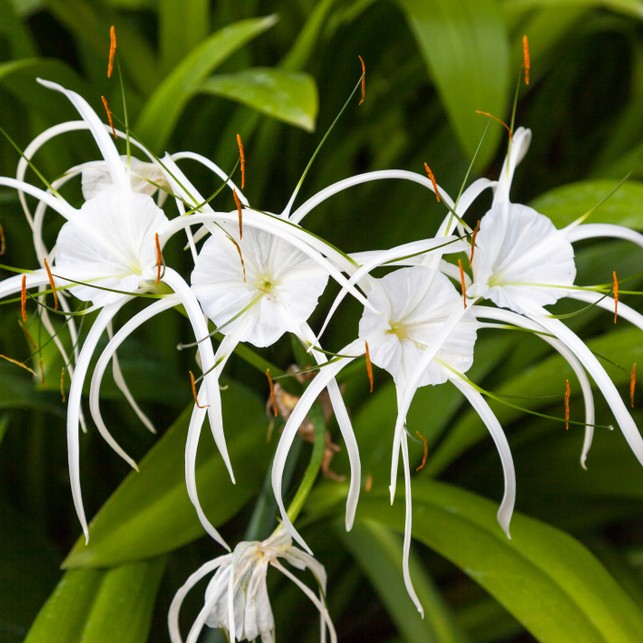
x=607, y=303
x=359, y=179
x=97, y=128
x=600, y=230
x=485, y=413
x=74, y=402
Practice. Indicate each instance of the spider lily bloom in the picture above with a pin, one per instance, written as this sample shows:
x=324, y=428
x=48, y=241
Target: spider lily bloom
x=523, y=263
x=418, y=330
x=236, y=598
x=108, y=252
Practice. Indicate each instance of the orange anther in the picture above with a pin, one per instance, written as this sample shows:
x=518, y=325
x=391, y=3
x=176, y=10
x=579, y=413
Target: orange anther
x=23, y=299
x=109, y=115
x=17, y=363
x=568, y=394
x=194, y=393
x=615, y=290
x=63, y=397
x=425, y=453
x=427, y=169
x=632, y=384
x=463, y=283
x=159, y=258
x=368, y=483
x=239, y=212
x=369, y=367
x=52, y=284
x=112, y=51
x=526, y=60
x=474, y=234
x=3, y=241
x=242, y=161
x=495, y=118
x=273, y=402
x=363, y=84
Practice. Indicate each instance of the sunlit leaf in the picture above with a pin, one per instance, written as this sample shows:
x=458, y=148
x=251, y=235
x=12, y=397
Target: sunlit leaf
x=288, y=96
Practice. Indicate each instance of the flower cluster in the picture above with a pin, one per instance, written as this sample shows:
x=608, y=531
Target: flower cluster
x=257, y=276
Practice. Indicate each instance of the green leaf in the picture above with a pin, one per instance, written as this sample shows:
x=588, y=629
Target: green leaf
x=628, y=7
x=151, y=513
x=378, y=553
x=466, y=48
x=288, y=96
x=182, y=26
x=545, y=578
x=565, y=204
x=95, y=605
x=163, y=109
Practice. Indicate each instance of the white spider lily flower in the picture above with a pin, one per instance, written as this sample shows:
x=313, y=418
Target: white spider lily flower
x=108, y=252
x=523, y=262
x=419, y=331
x=236, y=598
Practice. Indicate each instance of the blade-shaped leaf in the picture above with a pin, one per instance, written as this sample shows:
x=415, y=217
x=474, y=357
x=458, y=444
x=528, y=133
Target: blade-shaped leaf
x=565, y=204
x=545, y=578
x=96, y=605
x=288, y=96
x=150, y=513
x=161, y=112
x=466, y=48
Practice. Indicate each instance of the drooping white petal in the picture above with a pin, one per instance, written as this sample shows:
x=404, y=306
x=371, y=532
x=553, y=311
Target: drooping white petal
x=607, y=303
x=598, y=374
x=521, y=259
x=488, y=417
x=74, y=401
x=105, y=144
x=598, y=230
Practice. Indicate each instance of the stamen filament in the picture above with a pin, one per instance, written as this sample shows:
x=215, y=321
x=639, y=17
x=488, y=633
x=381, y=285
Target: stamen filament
x=474, y=234
x=427, y=169
x=526, y=60
x=463, y=283
x=615, y=290
x=52, y=284
x=425, y=454
x=273, y=402
x=363, y=82
x=159, y=258
x=194, y=393
x=239, y=213
x=369, y=367
x=495, y=118
x=242, y=161
x=243, y=265
x=112, y=51
x=23, y=299
x=109, y=115
x=568, y=394
x=632, y=384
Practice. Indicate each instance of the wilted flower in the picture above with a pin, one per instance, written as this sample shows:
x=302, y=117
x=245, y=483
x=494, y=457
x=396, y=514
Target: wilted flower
x=236, y=598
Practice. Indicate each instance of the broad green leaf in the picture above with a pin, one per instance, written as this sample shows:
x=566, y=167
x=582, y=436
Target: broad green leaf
x=288, y=96
x=628, y=7
x=92, y=605
x=150, y=513
x=163, y=109
x=565, y=204
x=22, y=44
x=182, y=26
x=545, y=578
x=378, y=553
x=466, y=48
